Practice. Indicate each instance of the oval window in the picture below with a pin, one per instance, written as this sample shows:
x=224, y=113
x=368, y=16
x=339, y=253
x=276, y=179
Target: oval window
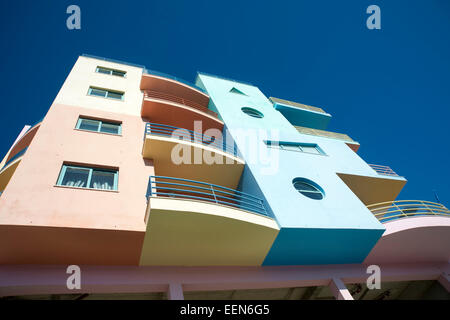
x=308, y=188
x=252, y=112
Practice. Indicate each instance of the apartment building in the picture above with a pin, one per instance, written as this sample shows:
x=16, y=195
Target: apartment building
x=160, y=188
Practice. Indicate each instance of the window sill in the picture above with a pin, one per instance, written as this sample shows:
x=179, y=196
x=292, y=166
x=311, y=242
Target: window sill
x=91, y=189
x=111, y=99
x=109, y=134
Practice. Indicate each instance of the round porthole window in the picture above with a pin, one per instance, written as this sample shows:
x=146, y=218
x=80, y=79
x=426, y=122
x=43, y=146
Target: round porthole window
x=308, y=188
x=252, y=112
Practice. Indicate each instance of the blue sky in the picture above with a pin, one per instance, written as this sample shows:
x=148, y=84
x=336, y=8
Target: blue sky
x=389, y=89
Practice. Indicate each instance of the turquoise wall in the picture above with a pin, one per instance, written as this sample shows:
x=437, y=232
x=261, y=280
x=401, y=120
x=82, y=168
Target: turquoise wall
x=336, y=229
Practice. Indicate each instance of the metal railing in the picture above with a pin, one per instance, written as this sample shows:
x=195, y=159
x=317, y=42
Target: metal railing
x=161, y=186
x=16, y=156
x=391, y=210
x=383, y=170
x=189, y=135
x=179, y=100
x=168, y=76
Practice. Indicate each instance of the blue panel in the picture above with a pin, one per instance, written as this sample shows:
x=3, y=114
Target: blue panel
x=304, y=118
x=321, y=246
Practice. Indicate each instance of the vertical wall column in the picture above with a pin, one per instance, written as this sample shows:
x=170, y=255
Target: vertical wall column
x=175, y=291
x=339, y=290
x=444, y=280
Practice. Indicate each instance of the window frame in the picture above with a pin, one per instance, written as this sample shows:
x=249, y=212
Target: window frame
x=107, y=92
x=252, y=112
x=101, y=122
x=315, y=186
x=111, y=71
x=64, y=167
x=282, y=145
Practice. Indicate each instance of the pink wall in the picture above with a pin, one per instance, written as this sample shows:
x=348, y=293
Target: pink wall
x=413, y=239
x=31, y=198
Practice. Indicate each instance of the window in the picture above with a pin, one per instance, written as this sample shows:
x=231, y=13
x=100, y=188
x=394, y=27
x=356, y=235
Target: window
x=99, y=126
x=234, y=90
x=252, y=112
x=89, y=178
x=104, y=93
x=299, y=147
x=111, y=71
x=308, y=188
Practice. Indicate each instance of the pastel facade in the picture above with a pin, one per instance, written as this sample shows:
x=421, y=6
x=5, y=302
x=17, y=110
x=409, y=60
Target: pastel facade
x=202, y=188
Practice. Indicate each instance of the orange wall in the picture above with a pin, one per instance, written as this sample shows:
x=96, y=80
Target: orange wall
x=31, y=198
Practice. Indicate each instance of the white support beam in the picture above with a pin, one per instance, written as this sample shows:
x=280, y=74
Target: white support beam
x=175, y=291
x=444, y=280
x=339, y=290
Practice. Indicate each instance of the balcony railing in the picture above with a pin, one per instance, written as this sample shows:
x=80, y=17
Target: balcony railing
x=168, y=76
x=383, y=170
x=16, y=156
x=387, y=211
x=177, y=188
x=189, y=135
x=169, y=97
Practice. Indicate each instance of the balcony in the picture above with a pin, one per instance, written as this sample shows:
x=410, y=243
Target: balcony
x=195, y=223
x=383, y=170
x=299, y=114
x=24, y=141
x=331, y=135
x=9, y=168
x=416, y=231
x=192, y=155
x=172, y=101
x=388, y=211
x=174, y=110
x=384, y=185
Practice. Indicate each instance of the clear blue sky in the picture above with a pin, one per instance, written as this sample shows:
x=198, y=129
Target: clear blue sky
x=389, y=89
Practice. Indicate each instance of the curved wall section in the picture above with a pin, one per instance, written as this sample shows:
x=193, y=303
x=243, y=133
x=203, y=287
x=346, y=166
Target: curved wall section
x=414, y=239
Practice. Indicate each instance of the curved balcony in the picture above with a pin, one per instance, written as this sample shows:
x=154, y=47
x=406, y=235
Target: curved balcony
x=388, y=211
x=176, y=110
x=416, y=231
x=24, y=141
x=195, y=223
x=160, y=186
x=9, y=168
x=192, y=155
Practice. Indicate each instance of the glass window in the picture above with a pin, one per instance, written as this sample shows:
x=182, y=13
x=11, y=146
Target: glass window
x=102, y=180
x=75, y=177
x=105, y=93
x=85, y=177
x=252, y=112
x=110, y=128
x=114, y=95
x=99, y=126
x=118, y=73
x=88, y=124
x=308, y=188
x=111, y=71
x=310, y=149
x=291, y=147
x=103, y=70
x=97, y=92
